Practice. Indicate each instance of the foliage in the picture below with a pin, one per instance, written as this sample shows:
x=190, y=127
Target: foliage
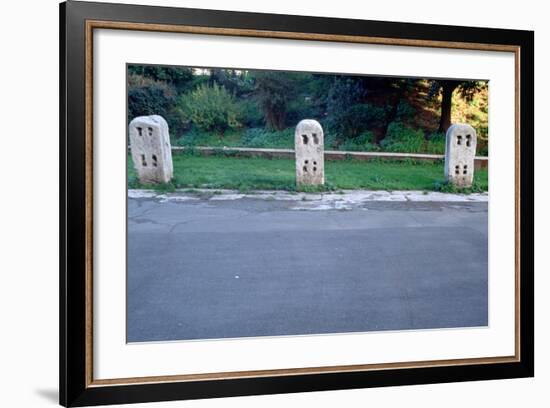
x=197, y=137
x=239, y=107
x=474, y=110
x=344, y=93
x=252, y=116
x=177, y=77
x=237, y=82
x=210, y=108
x=260, y=137
x=358, y=118
x=362, y=143
x=467, y=90
x=435, y=144
x=479, y=185
x=402, y=138
x=303, y=107
x=274, y=90
x=147, y=96
x=404, y=111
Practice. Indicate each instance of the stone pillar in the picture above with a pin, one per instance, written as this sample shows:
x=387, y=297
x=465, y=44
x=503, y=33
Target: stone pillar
x=460, y=152
x=310, y=153
x=151, y=150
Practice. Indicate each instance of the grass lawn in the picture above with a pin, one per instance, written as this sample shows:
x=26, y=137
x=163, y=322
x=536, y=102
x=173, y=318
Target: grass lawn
x=222, y=171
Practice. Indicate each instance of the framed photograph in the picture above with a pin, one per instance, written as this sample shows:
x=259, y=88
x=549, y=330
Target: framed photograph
x=257, y=204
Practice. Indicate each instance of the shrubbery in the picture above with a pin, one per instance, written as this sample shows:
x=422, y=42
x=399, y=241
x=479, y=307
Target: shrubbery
x=348, y=115
x=435, y=144
x=260, y=137
x=193, y=137
x=151, y=97
x=179, y=78
x=359, y=118
x=273, y=92
x=232, y=107
x=210, y=108
x=404, y=111
x=364, y=142
x=252, y=116
x=401, y=138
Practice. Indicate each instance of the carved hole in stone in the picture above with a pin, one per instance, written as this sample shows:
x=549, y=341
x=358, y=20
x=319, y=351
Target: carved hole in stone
x=143, y=162
x=139, y=131
x=306, y=161
x=305, y=139
x=459, y=140
x=304, y=169
x=315, y=163
x=150, y=131
x=457, y=169
x=154, y=160
x=314, y=169
x=468, y=138
x=465, y=169
x=315, y=138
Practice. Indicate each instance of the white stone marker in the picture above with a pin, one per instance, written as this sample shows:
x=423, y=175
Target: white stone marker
x=310, y=153
x=151, y=150
x=460, y=152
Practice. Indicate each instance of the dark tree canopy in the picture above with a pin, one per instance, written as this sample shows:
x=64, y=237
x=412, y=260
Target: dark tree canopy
x=274, y=91
x=446, y=88
x=261, y=108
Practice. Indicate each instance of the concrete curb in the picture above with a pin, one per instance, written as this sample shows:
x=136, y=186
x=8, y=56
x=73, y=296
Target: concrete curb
x=346, y=196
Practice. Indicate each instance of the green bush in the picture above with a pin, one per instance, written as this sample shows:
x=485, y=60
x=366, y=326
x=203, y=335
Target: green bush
x=273, y=92
x=178, y=77
x=401, y=138
x=404, y=111
x=331, y=138
x=301, y=108
x=357, y=119
x=194, y=137
x=151, y=97
x=435, y=144
x=362, y=143
x=446, y=187
x=210, y=108
x=252, y=116
x=260, y=137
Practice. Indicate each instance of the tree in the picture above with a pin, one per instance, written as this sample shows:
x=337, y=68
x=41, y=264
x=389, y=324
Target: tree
x=446, y=87
x=353, y=104
x=393, y=90
x=274, y=91
x=178, y=77
x=237, y=82
x=147, y=96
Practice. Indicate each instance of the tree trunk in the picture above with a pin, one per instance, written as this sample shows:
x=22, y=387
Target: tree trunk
x=390, y=117
x=395, y=99
x=448, y=88
x=275, y=118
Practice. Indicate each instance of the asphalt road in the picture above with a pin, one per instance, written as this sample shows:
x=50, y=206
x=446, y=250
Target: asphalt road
x=202, y=269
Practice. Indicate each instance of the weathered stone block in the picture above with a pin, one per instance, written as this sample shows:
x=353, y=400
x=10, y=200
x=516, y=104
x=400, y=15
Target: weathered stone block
x=151, y=150
x=460, y=152
x=310, y=153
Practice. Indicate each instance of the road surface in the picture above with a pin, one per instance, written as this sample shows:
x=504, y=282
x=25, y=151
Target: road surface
x=223, y=266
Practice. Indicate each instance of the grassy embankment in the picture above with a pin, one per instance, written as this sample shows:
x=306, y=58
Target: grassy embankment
x=245, y=174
